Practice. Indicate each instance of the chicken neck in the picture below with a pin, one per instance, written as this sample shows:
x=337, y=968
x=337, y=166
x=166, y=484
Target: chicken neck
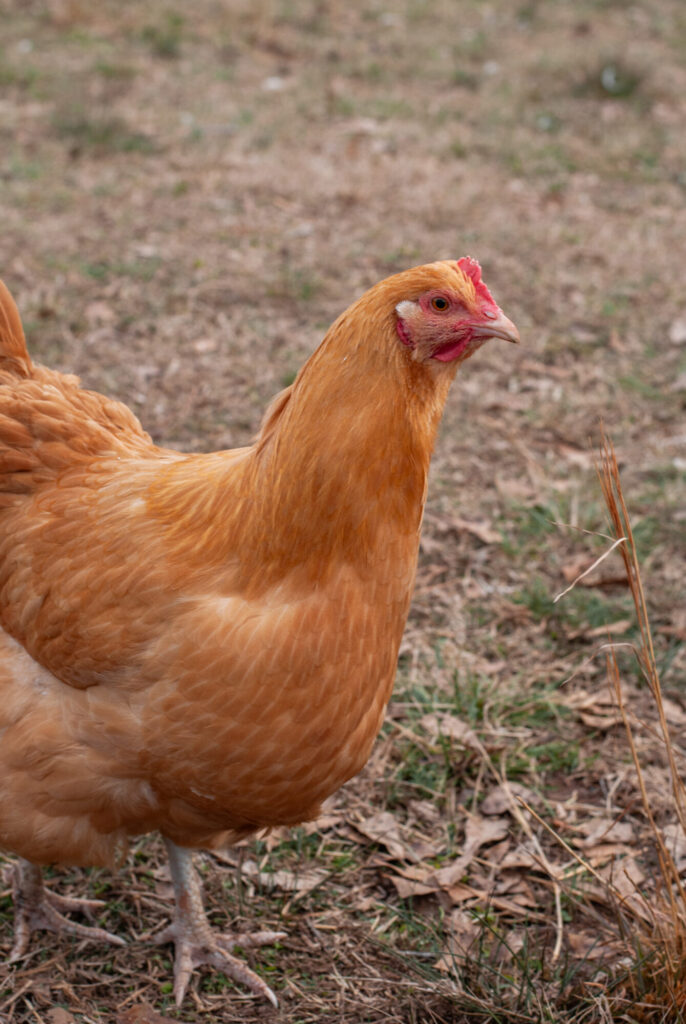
x=344, y=469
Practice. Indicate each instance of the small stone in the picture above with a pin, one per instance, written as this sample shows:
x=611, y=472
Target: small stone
x=677, y=331
x=273, y=84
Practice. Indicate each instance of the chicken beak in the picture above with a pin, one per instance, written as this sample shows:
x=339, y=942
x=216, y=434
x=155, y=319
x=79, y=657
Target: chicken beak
x=499, y=327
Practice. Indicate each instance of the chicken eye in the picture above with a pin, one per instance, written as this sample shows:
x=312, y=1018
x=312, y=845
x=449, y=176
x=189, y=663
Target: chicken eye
x=440, y=303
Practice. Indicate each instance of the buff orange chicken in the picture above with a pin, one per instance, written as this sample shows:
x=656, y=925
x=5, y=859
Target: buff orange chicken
x=204, y=645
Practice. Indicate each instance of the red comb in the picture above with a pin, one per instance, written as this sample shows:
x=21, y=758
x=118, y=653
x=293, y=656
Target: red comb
x=472, y=268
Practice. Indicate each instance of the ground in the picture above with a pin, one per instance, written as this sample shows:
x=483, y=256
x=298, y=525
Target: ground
x=190, y=195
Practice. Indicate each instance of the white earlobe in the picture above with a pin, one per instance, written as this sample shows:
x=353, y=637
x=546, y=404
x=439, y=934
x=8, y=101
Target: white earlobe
x=406, y=308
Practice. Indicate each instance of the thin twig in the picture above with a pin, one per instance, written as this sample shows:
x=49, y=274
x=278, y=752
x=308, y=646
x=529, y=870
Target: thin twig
x=540, y=856
x=620, y=540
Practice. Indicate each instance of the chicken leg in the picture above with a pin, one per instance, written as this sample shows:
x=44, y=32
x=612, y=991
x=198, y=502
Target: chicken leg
x=36, y=907
x=194, y=939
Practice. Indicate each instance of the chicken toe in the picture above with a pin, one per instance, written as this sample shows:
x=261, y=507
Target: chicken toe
x=37, y=908
x=196, y=943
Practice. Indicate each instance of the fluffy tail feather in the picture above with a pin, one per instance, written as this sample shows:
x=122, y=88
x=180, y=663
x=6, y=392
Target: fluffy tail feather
x=14, y=356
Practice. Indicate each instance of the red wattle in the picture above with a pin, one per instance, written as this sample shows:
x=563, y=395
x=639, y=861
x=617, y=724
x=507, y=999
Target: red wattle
x=448, y=352
x=403, y=333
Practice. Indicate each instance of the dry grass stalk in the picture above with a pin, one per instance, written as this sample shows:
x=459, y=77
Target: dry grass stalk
x=658, y=981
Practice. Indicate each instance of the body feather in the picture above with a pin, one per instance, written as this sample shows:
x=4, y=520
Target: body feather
x=205, y=644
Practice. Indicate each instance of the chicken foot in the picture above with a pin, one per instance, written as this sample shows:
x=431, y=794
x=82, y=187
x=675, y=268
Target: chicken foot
x=194, y=939
x=37, y=908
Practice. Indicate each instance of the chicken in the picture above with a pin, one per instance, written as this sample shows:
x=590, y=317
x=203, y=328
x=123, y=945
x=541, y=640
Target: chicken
x=205, y=644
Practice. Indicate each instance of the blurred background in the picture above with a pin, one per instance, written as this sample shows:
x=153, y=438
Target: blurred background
x=189, y=195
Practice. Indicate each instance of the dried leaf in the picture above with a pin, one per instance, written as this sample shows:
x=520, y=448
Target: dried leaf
x=417, y=872
x=460, y=893
x=598, y=703
x=611, y=628
x=620, y=626
x=289, y=881
x=425, y=811
x=478, y=832
x=601, y=722
x=322, y=824
x=625, y=875
x=572, y=569
x=499, y=801
x=495, y=853
x=143, y=1013
x=383, y=828
x=99, y=313
x=452, y=727
x=577, y=456
x=584, y=944
x=57, y=1015
x=521, y=857
x=515, y=488
x=674, y=713
x=605, y=852
x=675, y=841
x=428, y=545
x=480, y=529
x=463, y=930
x=545, y=370
x=424, y=849
x=414, y=880
x=446, y=963
x=407, y=887
x=513, y=883
x=605, y=830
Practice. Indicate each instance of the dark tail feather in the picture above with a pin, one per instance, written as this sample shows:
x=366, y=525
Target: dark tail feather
x=13, y=353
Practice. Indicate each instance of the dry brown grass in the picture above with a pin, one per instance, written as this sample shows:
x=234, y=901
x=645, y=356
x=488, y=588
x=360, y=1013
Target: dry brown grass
x=655, y=985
